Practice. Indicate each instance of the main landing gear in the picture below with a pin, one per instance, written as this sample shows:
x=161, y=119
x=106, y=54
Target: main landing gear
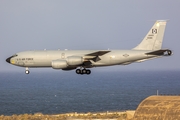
x=27, y=70
x=83, y=71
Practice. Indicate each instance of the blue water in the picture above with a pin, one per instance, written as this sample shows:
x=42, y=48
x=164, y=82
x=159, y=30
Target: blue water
x=61, y=92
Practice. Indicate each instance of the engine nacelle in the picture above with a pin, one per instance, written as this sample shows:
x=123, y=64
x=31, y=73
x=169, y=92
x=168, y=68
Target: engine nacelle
x=74, y=60
x=59, y=64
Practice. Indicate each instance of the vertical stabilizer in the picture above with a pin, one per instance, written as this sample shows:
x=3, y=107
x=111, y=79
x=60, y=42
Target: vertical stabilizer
x=153, y=40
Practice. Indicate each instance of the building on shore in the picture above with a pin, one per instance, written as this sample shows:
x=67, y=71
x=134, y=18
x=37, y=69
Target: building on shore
x=158, y=108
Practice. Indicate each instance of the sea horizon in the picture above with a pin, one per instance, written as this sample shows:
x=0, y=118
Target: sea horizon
x=65, y=92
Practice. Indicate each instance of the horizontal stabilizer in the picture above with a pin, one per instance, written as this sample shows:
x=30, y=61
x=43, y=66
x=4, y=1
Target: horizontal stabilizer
x=160, y=52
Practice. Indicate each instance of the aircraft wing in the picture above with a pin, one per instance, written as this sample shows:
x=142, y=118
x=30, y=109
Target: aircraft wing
x=98, y=53
x=95, y=55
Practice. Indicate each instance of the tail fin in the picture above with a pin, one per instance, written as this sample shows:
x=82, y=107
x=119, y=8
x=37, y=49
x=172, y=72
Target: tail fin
x=153, y=40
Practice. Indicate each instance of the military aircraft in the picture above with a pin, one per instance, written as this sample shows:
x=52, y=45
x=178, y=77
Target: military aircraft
x=82, y=60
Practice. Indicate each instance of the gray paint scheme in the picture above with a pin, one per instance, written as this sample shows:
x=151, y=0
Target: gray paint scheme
x=149, y=48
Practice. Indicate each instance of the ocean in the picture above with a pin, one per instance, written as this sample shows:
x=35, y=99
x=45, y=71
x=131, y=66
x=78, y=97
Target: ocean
x=65, y=92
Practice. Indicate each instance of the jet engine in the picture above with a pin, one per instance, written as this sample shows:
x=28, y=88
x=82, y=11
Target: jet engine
x=74, y=60
x=59, y=64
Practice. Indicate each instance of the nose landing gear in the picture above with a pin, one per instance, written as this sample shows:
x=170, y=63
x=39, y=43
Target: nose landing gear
x=27, y=70
x=83, y=71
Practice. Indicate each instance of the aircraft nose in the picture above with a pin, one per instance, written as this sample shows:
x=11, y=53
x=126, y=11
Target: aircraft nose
x=8, y=59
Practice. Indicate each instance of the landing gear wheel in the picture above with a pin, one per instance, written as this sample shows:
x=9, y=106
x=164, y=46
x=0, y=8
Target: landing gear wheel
x=88, y=72
x=78, y=71
x=27, y=72
x=84, y=71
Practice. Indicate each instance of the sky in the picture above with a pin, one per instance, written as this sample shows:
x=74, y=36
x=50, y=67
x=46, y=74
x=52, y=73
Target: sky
x=87, y=24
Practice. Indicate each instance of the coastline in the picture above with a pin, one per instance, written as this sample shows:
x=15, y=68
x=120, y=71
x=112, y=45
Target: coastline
x=75, y=116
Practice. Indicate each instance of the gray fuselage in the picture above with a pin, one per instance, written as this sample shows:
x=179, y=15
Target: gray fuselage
x=45, y=58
